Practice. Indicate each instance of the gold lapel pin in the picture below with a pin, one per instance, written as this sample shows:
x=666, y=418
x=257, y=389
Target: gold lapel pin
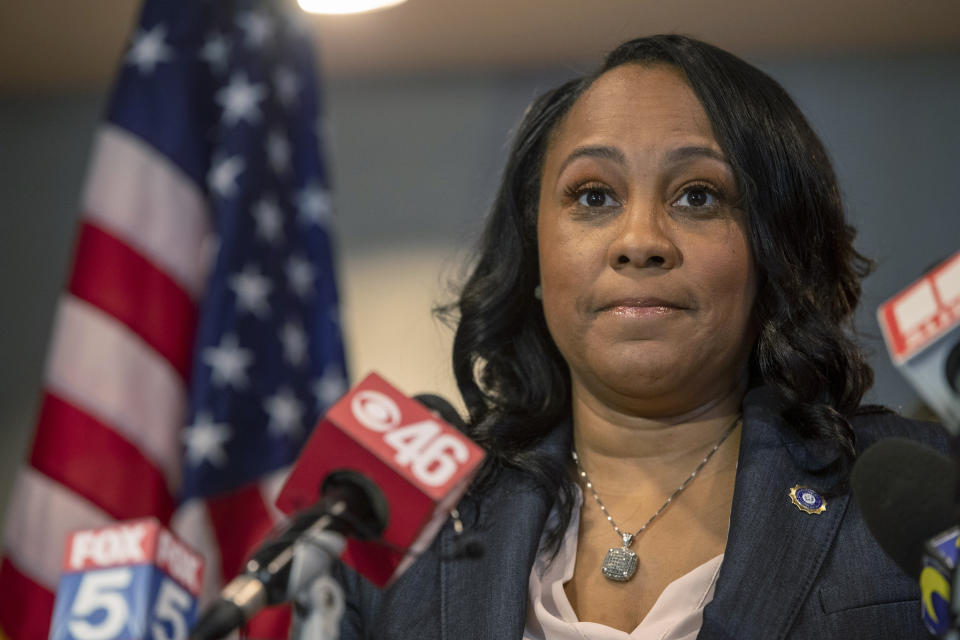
x=807, y=500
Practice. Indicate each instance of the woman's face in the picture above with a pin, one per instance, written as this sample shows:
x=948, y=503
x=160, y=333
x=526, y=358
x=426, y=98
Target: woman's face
x=647, y=276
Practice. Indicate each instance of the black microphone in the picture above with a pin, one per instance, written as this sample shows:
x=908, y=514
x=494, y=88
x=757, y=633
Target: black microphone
x=906, y=492
x=442, y=407
x=351, y=505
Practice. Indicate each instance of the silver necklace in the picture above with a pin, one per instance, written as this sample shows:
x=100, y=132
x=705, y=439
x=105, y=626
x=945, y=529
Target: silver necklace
x=620, y=563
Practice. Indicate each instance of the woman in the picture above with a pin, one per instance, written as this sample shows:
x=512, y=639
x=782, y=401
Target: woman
x=652, y=349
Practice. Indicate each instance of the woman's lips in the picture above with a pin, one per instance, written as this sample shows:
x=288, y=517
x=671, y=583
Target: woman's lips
x=641, y=308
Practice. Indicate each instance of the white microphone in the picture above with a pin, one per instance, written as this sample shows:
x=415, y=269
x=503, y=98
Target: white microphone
x=921, y=326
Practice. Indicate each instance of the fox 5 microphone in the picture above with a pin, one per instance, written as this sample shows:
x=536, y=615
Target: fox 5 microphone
x=921, y=326
x=380, y=468
x=132, y=580
x=906, y=493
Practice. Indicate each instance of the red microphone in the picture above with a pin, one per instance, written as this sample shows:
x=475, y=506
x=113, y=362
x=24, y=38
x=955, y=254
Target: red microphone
x=379, y=468
x=420, y=463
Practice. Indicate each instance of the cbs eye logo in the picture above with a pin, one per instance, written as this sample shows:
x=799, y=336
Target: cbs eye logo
x=375, y=410
x=432, y=456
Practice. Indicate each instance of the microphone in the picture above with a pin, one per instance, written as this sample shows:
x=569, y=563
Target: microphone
x=421, y=464
x=132, y=580
x=350, y=504
x=906, y=492
x=921, y=326
x=441, y=408
x=379, y=468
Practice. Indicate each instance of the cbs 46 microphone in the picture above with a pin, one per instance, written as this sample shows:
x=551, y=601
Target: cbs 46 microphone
x=380, y=468
x=921, y=326
x=132, y=580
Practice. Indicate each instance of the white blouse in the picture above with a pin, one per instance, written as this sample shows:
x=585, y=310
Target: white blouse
x=676, y=615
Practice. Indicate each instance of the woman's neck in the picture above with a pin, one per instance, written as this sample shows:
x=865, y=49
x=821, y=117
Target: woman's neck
x=615, y=446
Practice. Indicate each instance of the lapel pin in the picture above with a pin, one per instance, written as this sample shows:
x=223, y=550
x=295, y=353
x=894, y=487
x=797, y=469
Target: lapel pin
x=807, y=500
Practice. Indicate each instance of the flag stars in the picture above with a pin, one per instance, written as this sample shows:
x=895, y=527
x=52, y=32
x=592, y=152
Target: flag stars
x=223, y=175
x=294, y=341
x=228, y=362
x=252, y=289
x=278, y=152
x=258, y=28
x=329, y=387
x=300, y=275
x=287, y=86
x=216, y=52
x=313, y=204
x=269, y=220
x=285, y=413
x=205, y=440
x=241, y=100
x=148, y=49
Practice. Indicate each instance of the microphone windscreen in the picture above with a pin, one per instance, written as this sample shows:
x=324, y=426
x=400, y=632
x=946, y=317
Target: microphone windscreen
x=367, y=512
x=906, y=493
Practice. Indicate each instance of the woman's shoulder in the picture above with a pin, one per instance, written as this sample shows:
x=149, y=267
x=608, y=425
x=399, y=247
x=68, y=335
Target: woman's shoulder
x=874, y=423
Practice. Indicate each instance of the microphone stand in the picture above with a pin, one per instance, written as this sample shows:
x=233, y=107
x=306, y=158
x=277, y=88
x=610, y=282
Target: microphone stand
x=351, y=504
x=302, y=561
x=318, y=598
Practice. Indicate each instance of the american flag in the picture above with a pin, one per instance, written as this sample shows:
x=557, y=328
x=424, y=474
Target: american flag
x=197, y=340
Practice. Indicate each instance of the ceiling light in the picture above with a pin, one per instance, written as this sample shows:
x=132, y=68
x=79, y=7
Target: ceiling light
x=346, y=6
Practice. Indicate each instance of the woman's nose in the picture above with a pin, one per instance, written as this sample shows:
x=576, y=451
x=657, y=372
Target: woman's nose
x=644, y=239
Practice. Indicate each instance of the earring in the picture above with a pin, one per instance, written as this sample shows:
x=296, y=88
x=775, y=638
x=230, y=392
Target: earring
x=538, y=292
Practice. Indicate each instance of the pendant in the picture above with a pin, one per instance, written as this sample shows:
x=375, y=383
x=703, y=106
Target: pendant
x=620, y=564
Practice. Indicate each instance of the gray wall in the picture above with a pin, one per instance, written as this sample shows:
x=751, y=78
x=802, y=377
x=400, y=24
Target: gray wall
x=415, y=163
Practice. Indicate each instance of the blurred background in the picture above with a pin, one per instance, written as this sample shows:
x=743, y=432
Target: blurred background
x=420, y=100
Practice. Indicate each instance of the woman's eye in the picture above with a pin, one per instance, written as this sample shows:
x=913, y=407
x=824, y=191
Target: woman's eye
x=596, y=198
x=697, y=198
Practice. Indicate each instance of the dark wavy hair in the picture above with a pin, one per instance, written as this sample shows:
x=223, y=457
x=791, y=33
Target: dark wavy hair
x=515, y=383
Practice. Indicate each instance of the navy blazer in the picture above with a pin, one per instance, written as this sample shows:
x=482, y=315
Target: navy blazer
x=785, y=573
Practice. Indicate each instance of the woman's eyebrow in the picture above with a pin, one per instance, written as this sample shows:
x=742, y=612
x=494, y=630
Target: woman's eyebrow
x=685, y=153
x=595, y=151
x=673, y=156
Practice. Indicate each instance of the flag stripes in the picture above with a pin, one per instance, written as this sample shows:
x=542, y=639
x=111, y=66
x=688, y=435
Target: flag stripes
x=41, y=513
x=88, y=456
x=105, y=369
x=163, y=316
x=143, y=199
x=30, y=613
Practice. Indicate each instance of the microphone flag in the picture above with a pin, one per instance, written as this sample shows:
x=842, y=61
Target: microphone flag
x=132, y=580
x=420, y=463
x=921, y=326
